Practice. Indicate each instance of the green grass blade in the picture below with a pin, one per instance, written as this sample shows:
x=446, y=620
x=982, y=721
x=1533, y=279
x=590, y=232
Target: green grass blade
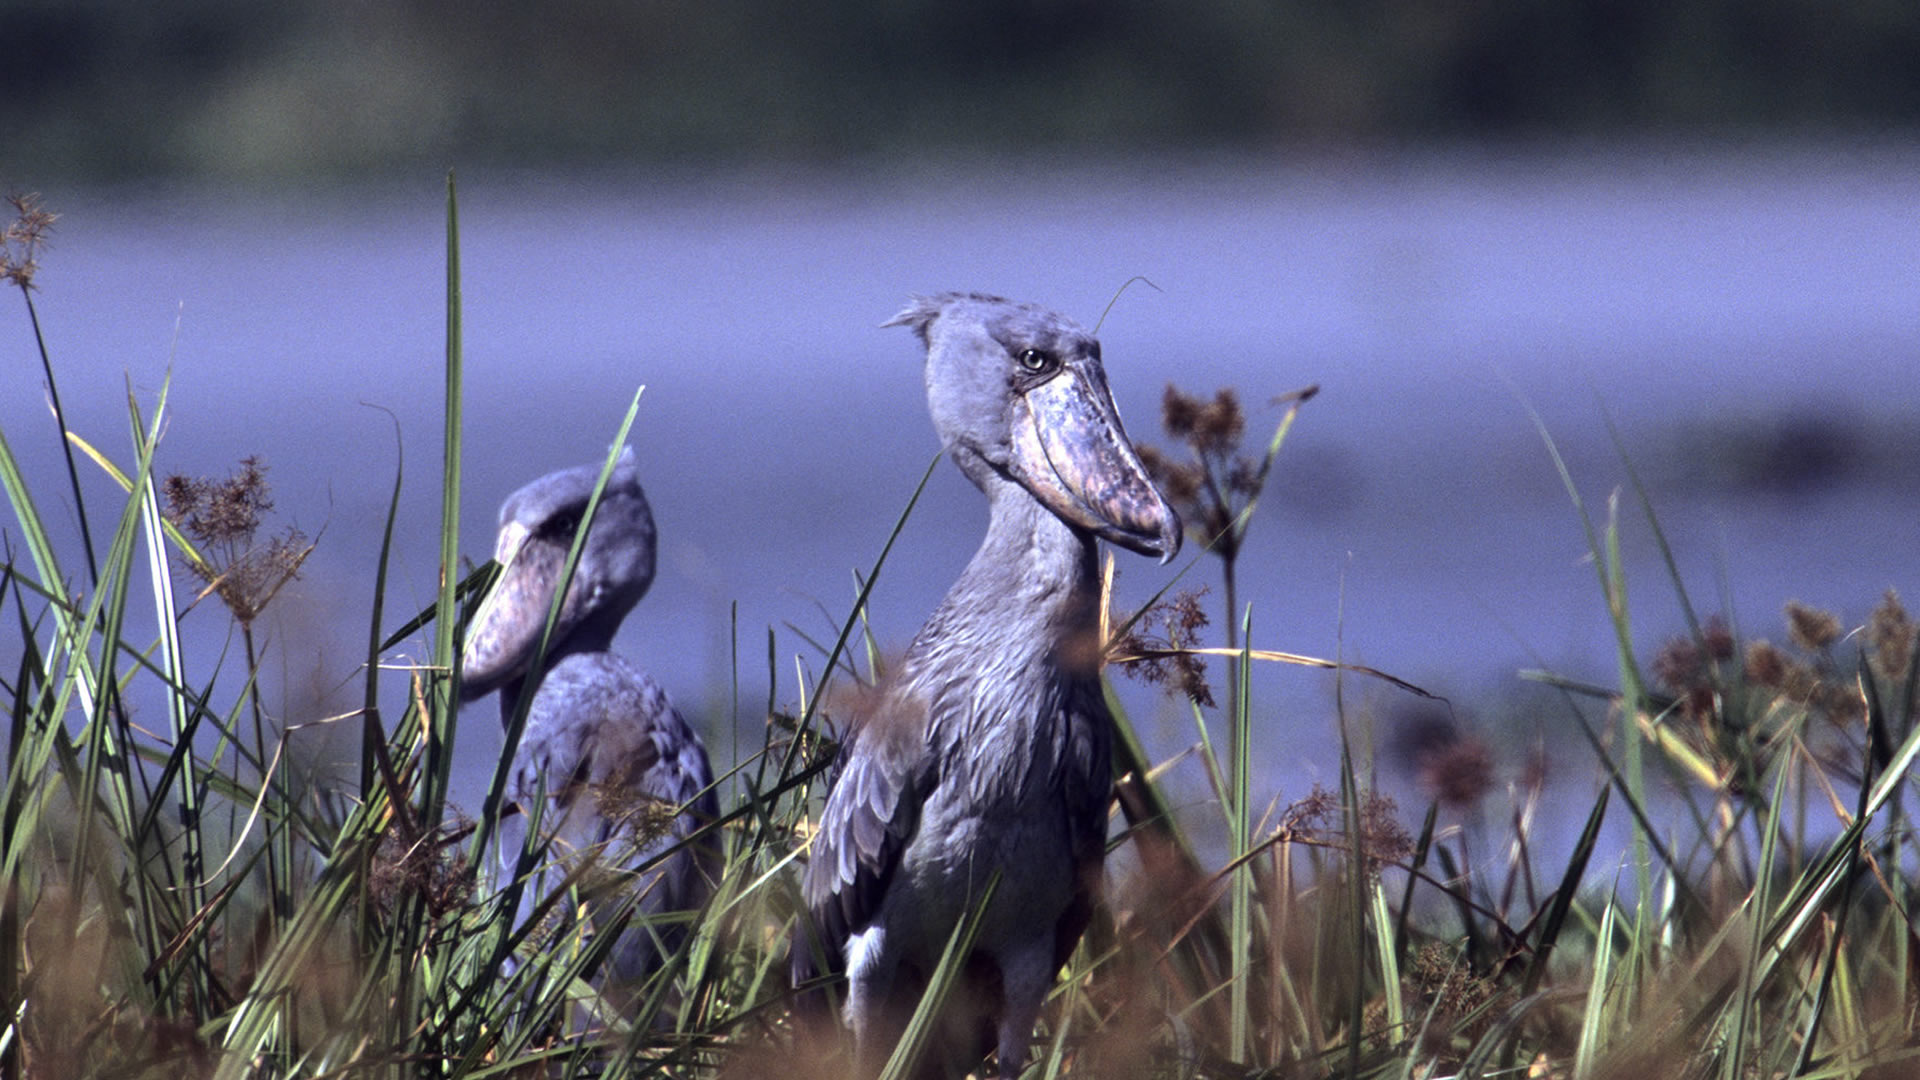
x=47, y=568
x=443, y=691
x=1354, y=895
x=256, y=1024
x=1594, y=1017
x=1653, y=524
x=373, y=734
x=1820, y=881
x=1422, y=850
x=182, y=715
x=107, y=740
x=66, y=449
x=1746, y=996
x=1563, y=896
x=1240, y=884
x=1379, y=928
x=1244, y=519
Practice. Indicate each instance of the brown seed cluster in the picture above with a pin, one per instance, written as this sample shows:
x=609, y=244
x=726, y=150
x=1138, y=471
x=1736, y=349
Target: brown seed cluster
x=1210, y=427
x=1453, y=1000
x=1454, y=764
x=1811, y=628
x=1691, y=669
x=1737, y=709
x=1210, y=490
x=1321, y=817
x=1459, y=772
x=636, y=819
x=1890, y=639
x=223, y=517
x=425, y=866
x=23, y=239
x=1808, y=675
x=1153, y=649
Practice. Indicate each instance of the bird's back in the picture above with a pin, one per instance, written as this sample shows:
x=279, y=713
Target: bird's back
x=625, y=778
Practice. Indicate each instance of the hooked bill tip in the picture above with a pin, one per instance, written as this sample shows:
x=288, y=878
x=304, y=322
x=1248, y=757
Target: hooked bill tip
x=1170, y=538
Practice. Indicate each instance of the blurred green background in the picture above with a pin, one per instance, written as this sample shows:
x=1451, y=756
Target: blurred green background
x=110, y=89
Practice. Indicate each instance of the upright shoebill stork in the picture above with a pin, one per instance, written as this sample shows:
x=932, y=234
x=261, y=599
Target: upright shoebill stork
x=623, y=774
x=989, y=750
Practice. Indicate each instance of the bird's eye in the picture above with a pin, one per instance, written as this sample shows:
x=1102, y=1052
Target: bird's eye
x=1037, y=360
x=563, y=525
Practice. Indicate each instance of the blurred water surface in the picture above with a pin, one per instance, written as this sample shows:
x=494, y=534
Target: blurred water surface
x=1746, y=319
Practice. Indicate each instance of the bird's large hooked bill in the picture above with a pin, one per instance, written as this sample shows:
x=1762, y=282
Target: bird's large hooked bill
x=506, y=629
x=1071, y=451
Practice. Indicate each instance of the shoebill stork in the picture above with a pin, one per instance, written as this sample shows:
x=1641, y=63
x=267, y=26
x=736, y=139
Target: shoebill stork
x=624, y=777
x=988, y=752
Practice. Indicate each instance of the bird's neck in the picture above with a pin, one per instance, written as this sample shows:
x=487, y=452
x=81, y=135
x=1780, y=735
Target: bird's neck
x=594, y=634
x=1034, y=581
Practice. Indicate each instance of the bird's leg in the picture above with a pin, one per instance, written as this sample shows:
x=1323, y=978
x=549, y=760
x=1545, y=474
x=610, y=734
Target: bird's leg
x=1025, y=974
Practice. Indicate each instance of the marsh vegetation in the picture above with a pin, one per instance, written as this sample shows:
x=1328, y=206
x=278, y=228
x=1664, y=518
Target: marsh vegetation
x=185, y=898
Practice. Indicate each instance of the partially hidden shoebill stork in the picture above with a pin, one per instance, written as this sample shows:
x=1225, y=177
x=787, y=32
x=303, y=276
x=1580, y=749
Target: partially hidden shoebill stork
x=988, y=752
x=624, y=777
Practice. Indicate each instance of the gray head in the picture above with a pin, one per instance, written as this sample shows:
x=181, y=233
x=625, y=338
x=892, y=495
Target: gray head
x=1017, y=392
x=537, y=525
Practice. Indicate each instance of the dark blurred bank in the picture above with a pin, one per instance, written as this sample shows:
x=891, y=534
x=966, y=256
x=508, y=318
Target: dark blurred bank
x=110, y=89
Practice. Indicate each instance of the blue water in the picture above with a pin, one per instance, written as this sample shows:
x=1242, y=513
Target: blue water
x=1699, y=299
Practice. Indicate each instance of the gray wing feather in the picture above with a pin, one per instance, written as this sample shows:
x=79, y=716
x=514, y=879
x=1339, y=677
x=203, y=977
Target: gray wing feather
x=596, y=721
x=600, y=733
x=884, y=773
